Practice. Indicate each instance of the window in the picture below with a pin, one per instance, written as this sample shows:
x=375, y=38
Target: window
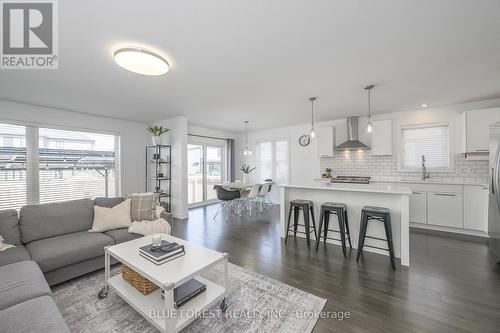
x=431, y=141
x=12, y=166
x=273, y=160
x=59, y=165
x=75, y=165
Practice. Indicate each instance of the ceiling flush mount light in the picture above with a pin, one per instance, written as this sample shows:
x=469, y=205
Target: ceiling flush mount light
x=141, y=61
x=312, y=99
x=247, y=151
x=369, y=127
x=424, y=105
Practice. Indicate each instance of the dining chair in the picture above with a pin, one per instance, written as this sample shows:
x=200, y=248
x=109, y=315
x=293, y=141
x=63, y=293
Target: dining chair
x=251, y=199
x=227, y=199
x=263, y=196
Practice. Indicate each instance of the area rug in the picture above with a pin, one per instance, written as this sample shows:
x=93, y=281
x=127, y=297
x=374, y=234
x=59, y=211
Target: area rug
x=256, y=303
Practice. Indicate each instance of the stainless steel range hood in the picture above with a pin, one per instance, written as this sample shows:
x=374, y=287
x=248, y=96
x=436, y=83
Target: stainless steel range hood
x=352, y=142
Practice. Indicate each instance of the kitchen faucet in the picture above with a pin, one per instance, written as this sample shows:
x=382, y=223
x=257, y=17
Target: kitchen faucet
x=425, y=174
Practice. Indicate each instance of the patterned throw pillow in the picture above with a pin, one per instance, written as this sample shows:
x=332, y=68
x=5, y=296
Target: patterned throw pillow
x=142, y=206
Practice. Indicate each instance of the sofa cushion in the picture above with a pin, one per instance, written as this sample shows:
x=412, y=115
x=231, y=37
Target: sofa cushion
x=20, y=282
x=121, y=235
x=111, y=218
x=9, y=226
x=15, y=254
x=54, y=219
x=108, y=202
x=39, y=315
x=56, y=252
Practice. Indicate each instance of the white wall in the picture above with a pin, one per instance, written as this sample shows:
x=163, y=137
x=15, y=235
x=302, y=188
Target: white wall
x=133, y=135
x=177, y=138
x=199, y=130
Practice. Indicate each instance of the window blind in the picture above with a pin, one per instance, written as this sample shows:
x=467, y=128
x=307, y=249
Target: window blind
x=12, y=166
x=40, y=165
x=75, y=165
x=430, y=141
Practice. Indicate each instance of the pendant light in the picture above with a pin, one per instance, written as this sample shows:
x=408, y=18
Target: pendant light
x=313, y=134
x=369, y=127
x=247, y=151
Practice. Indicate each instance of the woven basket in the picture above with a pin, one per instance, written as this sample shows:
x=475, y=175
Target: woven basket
x=140, y=283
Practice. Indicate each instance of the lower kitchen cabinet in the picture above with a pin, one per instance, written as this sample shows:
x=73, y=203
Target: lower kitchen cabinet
x=418, y=207
x=445, y=209
x=454, y=208
x=476, y=208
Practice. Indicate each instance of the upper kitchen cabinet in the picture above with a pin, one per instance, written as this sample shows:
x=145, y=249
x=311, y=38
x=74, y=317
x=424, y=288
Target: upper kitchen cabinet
x=473, y=130
x=326, y=141
x=381, y=138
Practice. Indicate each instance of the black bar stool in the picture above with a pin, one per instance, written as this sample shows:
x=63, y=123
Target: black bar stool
x=306, y=206
x=378, y=214
x=340, y=210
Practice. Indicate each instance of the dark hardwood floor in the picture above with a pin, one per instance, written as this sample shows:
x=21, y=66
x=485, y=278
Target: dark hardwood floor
x=451, y=286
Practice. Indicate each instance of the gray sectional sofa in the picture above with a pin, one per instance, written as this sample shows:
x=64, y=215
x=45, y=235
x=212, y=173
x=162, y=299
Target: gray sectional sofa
x=52, y=245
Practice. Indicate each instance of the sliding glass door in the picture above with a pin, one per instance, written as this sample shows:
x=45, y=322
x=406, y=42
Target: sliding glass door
x=206, y=168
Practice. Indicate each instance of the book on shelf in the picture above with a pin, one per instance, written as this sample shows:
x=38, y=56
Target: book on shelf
x=163, y=251
x=159, y=262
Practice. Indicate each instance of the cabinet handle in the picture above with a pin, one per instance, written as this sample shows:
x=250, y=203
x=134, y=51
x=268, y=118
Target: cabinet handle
x=417, y=193
x=483, y=150
x=445, y=194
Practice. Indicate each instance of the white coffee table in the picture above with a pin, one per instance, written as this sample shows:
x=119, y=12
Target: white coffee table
x=161, y=313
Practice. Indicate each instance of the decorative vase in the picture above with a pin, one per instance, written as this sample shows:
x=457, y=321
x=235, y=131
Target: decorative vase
x=244, y=178
x=156, y=140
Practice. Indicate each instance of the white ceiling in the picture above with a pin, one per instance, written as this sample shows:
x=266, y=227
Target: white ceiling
x=260, y=60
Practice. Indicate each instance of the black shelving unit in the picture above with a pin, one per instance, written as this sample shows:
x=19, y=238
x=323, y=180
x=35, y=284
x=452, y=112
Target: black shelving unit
x=159, y=172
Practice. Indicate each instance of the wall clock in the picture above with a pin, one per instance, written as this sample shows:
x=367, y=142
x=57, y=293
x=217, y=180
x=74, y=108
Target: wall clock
x=304, y=140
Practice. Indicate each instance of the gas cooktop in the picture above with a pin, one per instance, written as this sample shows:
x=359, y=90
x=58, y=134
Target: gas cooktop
x=351, y=179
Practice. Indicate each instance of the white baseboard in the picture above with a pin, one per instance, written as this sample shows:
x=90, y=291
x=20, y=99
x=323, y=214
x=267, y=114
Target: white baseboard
x=449, y=229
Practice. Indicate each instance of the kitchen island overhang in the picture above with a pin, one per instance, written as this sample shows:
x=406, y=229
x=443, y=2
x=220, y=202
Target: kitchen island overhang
x=356, y=196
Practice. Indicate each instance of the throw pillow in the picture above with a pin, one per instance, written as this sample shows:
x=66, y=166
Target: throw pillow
x=4, y=246
x=142, y=206
x=150, y=227
x=111, y=218
x=158, y=211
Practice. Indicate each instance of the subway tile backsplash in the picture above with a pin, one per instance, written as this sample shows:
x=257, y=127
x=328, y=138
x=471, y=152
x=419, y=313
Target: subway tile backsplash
x=384, y=168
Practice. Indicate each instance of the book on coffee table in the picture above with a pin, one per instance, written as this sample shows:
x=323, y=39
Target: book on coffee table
x=159, y=262
x=163, y=251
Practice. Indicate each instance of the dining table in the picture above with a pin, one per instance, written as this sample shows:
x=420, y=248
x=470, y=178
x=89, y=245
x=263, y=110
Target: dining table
x=237, y=186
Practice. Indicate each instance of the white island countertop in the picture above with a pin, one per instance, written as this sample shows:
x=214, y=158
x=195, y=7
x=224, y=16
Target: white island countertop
x=366, y=188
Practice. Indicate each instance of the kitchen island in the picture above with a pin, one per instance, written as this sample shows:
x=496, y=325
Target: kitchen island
x=356, y=196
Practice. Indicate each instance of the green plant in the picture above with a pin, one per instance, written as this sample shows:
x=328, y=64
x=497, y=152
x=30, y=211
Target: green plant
x=157, y=130
x=246, y=168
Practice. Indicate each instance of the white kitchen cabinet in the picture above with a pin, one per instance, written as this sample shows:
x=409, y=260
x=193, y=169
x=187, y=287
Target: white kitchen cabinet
x=476, y=208
x=473, y=130
x=445, y=209
x=326, y=141
x=418, y=207
x=381, y=138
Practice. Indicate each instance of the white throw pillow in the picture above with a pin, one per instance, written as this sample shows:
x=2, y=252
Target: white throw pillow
x=4, y=246
x=150, y=227
x=111, y=218
x=159, y=210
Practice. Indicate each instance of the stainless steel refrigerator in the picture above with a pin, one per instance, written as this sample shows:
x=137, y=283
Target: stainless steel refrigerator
x=494, y=197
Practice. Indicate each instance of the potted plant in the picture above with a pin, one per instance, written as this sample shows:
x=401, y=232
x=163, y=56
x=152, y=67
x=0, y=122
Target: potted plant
x=157, y=132
x=246, y=170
